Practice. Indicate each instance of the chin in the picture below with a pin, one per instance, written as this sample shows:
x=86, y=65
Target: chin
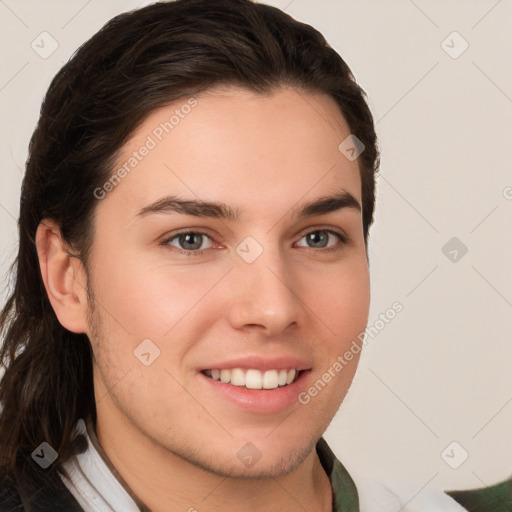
x=258, y=469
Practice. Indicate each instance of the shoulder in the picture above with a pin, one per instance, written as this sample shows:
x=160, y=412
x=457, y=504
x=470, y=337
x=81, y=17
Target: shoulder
x=376, y=497
x=49, y=495
x=10, y=500
x=494, y=498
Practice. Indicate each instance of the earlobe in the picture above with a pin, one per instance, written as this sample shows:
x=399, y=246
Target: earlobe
x=63, y=277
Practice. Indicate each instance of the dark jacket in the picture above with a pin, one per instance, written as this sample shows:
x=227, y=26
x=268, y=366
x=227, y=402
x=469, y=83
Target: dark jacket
x=48, y=495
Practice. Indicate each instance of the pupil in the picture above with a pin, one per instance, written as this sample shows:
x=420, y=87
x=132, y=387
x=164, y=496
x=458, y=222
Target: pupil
x=318, y=237
x=187, y=238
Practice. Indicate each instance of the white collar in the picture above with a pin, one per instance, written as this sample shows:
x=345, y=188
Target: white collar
x=92, y=483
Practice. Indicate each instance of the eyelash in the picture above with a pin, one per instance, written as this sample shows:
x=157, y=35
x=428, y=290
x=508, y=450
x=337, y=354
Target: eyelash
x=343, y=240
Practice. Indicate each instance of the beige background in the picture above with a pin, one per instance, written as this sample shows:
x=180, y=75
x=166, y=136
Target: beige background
x=440, y=371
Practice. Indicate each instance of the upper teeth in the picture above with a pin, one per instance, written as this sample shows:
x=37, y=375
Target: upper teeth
x=254, y=379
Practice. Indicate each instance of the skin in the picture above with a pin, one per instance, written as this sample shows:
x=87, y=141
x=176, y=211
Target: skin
x=172, y=439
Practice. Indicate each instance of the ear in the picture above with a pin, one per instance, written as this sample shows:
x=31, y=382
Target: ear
x=63, y=276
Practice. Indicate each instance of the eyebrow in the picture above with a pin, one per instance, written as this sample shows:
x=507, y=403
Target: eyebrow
x=218, y=210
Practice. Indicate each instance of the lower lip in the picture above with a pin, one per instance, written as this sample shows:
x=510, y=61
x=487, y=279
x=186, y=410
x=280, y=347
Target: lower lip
x=259, y=400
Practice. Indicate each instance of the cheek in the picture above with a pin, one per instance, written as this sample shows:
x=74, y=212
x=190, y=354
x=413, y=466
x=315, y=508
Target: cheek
x=340, y=297
x=149, y=298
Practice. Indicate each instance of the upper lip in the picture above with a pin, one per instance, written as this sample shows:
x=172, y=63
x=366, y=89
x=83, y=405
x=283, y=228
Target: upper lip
x=261, y=363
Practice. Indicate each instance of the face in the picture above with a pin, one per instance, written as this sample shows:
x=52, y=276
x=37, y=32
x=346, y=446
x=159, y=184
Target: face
x=197, y=306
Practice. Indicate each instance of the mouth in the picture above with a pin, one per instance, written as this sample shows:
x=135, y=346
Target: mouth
x=254, y=379
x=266, y=390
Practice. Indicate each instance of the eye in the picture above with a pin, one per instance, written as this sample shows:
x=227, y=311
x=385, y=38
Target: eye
x=320, y=239
x=189, y=242
x=194, y=243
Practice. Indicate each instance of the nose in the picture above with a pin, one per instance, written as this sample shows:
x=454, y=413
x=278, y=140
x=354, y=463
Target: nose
x=263, y=296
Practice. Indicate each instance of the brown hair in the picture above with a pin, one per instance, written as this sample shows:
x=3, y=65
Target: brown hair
x=138, y=62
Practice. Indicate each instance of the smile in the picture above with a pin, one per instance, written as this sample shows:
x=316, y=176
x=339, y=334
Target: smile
x=254, y=379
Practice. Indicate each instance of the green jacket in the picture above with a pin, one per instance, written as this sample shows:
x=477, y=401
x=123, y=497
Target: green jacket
x=497, y=498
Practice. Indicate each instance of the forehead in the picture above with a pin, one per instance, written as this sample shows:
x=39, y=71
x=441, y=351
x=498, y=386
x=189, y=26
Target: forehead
x=240, y=147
